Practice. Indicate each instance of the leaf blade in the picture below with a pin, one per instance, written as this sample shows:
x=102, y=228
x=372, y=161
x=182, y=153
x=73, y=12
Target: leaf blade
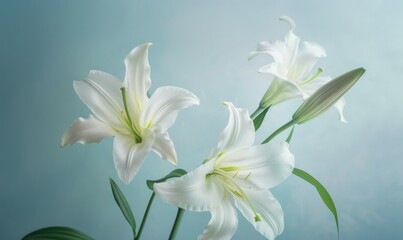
x=323, y=193
x=124, y=206
x=290, y=135
x=57, y=233
x=175, y=173
x=257, y=121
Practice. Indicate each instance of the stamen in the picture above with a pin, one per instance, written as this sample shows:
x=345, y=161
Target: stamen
x=229, y=169
x=236, y=190
x=318, y=72
x=258, y=218
x=246, y=178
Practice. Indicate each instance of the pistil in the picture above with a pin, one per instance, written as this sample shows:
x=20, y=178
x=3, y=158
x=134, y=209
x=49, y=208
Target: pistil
x=318, y=72
x=128, y=120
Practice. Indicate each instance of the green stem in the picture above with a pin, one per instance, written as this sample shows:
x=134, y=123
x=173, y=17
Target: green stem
x=256, y=113
x=143, y=222
x=177, y=223
x=278, y=131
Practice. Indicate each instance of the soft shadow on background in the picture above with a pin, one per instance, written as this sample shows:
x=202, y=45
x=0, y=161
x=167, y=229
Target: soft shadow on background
x=201, y=46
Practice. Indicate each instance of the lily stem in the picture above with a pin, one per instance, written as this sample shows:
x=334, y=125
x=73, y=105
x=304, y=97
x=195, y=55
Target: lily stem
x=143, y=222
x=177, y=223
x=278, y=131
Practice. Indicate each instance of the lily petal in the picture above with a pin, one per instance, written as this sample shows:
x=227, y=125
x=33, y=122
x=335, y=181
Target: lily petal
x=260, y=167
x=86, y=130
x=161, y=111
x=284, y=53
x=238, y=133
x=339, y=105
x=279, y=91
x=280, y=53
x=292, y=41
x=223, y=223
x=100, y=91
x=192, y=191
x=277, y=50
x=308, y=54
x=129, y=156
x=272, y=217
x=164, y=147
x=137, y=78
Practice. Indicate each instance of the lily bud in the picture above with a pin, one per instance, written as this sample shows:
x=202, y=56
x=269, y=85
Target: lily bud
x=323, y=98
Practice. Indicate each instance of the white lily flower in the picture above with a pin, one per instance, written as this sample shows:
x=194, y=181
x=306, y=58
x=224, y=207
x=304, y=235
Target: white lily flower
x=236, y=176
x=139, y=123
x=292, y=69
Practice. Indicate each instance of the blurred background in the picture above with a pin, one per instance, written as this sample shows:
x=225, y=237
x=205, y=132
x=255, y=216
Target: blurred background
x=201, y=46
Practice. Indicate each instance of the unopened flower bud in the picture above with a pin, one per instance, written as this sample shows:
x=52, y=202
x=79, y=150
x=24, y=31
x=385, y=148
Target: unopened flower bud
x=326, y=96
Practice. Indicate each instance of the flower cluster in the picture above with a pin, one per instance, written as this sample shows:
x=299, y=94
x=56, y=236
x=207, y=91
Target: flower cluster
x=238, y=173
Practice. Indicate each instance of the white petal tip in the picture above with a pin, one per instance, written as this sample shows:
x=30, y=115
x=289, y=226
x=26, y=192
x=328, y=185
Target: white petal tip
x=126, y=178
x=146, y=45
x=196, y=101
x=252, y=55
x=126, y=181
x=138, y=51
x=289, y=21
x=227, y=104
x=173, y=160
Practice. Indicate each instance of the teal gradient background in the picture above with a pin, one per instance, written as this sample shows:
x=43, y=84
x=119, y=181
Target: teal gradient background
x=201, y=46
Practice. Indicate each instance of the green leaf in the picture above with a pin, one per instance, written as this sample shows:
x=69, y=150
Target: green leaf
x=324, y=194
x=257, y=121
x=175, y=173
x=290, y=135
x=123, y=205
x=57, y=233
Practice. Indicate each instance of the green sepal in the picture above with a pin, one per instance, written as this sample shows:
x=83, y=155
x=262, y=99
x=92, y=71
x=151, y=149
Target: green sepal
x=258, y=120
x=324, y=194
x=57, y=233
x=123, y=205
x=175, y=173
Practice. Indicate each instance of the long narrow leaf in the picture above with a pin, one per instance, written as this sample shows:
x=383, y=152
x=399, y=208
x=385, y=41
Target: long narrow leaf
x=123, y=205
x=290, y=135
x=257, y=122
x=324, y=194
x=175, y=173
x=57, y=233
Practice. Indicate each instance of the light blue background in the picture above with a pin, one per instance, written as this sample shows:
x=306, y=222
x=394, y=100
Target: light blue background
x=201, y=46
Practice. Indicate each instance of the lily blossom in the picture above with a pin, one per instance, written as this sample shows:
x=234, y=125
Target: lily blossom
x=124, y=110
x=292, y=69
x=237, y=175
